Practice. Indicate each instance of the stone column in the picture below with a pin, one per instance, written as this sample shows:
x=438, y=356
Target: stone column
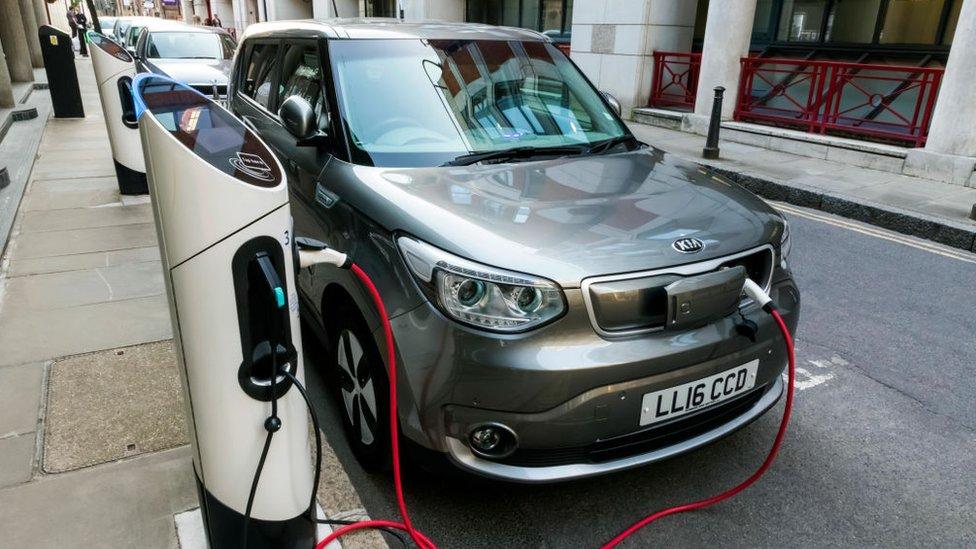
x=15, y=42
x=728, y=30
x=950, y=151
x=30, y=32
x=614, y=45
x=40, y=13
x=6, y=89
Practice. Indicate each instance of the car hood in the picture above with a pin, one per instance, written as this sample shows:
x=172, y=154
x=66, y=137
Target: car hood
x=193, y=71
x=564, y=219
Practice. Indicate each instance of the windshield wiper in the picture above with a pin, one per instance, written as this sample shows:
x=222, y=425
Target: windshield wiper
x=515, y=152
x=604, y=146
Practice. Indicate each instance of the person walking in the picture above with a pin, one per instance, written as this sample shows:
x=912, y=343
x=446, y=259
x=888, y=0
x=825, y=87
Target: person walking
x=81, y=20
x=216, y=21
x=72, y=22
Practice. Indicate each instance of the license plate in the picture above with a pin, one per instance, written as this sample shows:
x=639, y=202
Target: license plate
x=695, y=395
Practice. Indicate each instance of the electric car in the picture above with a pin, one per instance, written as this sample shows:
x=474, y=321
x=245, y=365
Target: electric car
x=200, y=57
x=566, y=301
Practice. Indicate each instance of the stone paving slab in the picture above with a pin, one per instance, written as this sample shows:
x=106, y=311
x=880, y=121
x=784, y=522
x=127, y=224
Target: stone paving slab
x=84, y=218
x=112, y=404
x=84, y=287
x=80, y=241
x=61, y=263
x=20, y=395
x=47, y=334
x=130, y=503
x=70, y=198
x=16, y=460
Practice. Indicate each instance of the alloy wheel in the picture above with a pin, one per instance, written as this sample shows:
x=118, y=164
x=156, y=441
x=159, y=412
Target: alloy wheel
x=357, y=387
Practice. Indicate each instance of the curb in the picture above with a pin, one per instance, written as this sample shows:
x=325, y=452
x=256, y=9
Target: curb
x=944, y=231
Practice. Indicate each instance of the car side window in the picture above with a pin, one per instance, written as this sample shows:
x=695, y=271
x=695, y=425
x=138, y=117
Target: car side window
x=260, y=74
x=301, y=75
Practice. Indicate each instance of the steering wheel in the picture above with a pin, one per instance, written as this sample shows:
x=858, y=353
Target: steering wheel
x=394, y=123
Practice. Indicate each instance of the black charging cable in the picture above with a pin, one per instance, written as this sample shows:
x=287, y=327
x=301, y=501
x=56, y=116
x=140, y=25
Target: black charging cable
x=273, y=423
x=318, y=465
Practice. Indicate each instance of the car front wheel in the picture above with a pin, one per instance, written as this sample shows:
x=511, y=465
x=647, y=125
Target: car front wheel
x=363, y=392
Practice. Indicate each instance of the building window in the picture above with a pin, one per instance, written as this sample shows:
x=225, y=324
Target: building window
x=380, y=8
x=802, y=20
x=951, y=22
x=853, y=21
x=912, y=21
x=552, y=17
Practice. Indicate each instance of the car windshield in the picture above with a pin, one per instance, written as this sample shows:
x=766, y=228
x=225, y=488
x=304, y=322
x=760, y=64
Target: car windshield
x=426, y=102
x=188, y=45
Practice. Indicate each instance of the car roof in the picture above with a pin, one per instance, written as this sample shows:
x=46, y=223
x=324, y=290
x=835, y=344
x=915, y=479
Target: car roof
x=375, y=28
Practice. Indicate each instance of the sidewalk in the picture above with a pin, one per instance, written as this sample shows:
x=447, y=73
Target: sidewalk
x=92, y=436
x=911, y=205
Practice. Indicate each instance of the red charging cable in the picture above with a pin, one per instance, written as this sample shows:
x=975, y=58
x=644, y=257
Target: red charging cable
x=425, y=543
x=421, y=540
x=701, y=504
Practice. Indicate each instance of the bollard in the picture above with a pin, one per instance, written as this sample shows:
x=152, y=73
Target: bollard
x=711, y=142
x=972, y=214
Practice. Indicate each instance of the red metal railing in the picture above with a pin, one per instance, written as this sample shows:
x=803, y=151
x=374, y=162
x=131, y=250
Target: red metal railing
x=881, y=101
x=675, y=79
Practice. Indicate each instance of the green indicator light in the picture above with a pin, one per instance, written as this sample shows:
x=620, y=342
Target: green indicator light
x=279, y=296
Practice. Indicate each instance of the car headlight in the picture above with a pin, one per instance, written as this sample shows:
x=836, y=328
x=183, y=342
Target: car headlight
x=481, y=296
x=785, y=243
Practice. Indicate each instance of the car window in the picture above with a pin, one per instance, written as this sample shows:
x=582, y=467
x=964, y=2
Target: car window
x=132, y=36
x=186, y=45
x=260, y=73
x=301, y=75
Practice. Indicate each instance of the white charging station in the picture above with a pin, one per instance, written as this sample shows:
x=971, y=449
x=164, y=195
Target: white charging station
x=114, y=70
x=220, y=204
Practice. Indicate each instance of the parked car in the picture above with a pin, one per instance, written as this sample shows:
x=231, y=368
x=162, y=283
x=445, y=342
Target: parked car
x=566, y=300
x=128, y=28
x=198, y=56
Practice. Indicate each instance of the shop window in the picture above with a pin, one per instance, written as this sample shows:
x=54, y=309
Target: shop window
x=802, y=20
x=530, y=14
x=950, y=29
x=380, y=8
x=764, y=24
x=911, y=21
x=853, y=21
x=552, y=17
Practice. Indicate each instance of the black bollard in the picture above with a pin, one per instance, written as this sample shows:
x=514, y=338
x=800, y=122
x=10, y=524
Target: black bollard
x=972, y=214
x=711, y=142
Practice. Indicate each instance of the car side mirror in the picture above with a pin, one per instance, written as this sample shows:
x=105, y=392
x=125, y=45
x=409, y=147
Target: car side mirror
x=298, y=117
x=612, y=101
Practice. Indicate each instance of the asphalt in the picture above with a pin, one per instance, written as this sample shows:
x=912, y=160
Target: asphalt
x=881, y=449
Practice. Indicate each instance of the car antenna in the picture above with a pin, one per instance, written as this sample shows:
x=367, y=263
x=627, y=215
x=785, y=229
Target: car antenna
x=335, y=10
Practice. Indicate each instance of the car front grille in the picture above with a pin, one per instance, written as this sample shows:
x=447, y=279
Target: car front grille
x=208, y=89
x=643, y=441
x=635, y=303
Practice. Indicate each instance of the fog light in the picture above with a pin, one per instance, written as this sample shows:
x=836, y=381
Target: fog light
x=492, y=440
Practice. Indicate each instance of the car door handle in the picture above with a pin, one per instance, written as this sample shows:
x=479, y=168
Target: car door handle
x=325, y=197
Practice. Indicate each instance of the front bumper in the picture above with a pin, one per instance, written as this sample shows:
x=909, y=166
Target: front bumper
x=462, y=456
x=571, y=396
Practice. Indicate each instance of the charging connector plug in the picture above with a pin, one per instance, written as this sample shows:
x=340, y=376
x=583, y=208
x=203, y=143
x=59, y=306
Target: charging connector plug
x=755, y=293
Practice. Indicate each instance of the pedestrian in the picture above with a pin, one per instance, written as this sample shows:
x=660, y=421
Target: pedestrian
x=81, y=21
x=208, y=22
x=216, y=21
x=72, y=22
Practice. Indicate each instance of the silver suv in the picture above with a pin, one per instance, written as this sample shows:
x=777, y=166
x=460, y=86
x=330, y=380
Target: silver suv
x=566, y=300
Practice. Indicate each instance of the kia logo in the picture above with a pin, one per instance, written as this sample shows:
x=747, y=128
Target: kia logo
x=688, y=245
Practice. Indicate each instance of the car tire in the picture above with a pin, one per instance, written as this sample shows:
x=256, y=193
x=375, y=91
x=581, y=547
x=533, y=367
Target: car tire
x=361, y=389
